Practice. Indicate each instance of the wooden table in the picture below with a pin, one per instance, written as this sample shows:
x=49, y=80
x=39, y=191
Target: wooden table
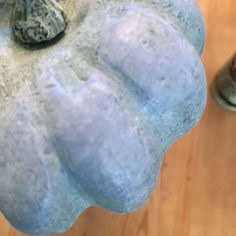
x=196, y=192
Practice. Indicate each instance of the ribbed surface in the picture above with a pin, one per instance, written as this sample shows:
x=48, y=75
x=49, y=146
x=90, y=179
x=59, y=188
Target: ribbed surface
x=196, y=196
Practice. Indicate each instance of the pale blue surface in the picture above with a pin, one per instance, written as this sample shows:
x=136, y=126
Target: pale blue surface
x=90, y=124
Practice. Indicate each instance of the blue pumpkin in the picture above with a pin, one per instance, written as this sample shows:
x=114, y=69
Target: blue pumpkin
x=86, y=121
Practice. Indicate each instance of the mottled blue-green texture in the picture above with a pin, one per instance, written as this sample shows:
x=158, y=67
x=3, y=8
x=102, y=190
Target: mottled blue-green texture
x=86, y=121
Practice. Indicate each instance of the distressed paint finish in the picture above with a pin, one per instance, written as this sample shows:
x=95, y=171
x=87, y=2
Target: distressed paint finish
x=34, y=21
x=86, y=121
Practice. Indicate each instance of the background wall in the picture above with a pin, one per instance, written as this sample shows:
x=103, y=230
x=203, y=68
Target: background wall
x=196, y=192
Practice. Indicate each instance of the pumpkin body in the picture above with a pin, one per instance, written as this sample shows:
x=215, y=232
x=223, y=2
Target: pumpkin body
x=86, y=121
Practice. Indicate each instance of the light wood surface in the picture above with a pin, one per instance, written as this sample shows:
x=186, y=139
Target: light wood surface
x=196, y=192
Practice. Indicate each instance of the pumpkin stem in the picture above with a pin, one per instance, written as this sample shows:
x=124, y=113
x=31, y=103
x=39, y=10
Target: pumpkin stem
x=35, y=21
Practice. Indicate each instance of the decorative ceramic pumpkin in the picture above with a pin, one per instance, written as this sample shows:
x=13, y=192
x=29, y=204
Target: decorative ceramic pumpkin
x=86, y=121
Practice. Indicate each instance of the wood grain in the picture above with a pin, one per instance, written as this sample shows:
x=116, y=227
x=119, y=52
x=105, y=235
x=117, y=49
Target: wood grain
x=196, y=193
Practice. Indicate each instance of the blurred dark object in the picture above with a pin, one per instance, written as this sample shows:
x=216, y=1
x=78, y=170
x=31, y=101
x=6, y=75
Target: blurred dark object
x=224, y=86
